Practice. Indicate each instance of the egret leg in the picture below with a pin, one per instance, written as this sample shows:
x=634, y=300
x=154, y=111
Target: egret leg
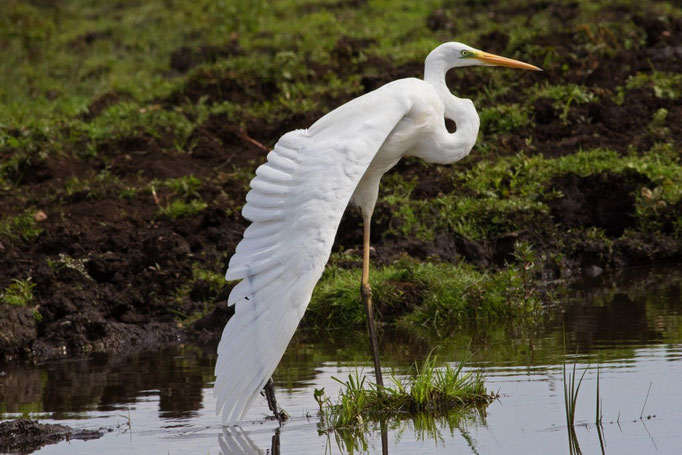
x=366, y=292
x=269, y=390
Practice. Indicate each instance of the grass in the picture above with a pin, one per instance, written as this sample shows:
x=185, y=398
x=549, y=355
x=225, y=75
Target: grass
x=664, y=85
x=186, y=198
x=506, y=194
x=179, y=208
x=437, y=295
x=20, y=226
x=428, y=389
x=18, y=293
x=571, y=392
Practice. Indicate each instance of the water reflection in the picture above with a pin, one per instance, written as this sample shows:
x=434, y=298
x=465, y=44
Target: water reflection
x=361, y=439
x=632, y=327
x=106, y=383
x=235, y=441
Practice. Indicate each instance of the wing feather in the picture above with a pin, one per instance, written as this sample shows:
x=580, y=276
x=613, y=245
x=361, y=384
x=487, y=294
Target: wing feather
x=295, y=204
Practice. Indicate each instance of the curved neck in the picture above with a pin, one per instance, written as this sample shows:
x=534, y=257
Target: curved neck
x=459, y=110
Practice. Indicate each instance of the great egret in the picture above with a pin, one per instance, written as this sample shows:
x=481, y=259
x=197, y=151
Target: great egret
x=299, y=195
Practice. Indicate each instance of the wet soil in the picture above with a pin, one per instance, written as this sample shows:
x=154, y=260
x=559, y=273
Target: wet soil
x=26, y=436
x=111, y=271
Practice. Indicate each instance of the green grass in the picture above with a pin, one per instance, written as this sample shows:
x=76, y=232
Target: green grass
x=186, y=198
x=179, y=208
x=437, y=295
x=503, y=195
x=21, y=226
x=18, y=293
x=427, y=389
x=664, y=85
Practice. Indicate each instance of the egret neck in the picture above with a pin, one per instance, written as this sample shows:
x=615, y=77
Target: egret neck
x=459, y=110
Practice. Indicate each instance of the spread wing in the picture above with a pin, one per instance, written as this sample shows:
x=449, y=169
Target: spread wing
x=295, y=204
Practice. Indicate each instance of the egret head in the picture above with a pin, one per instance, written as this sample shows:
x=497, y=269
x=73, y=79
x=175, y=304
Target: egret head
x=453, y=55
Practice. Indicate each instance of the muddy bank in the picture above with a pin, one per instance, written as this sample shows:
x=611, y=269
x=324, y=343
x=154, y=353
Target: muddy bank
x=26, y=436
x=125, y=245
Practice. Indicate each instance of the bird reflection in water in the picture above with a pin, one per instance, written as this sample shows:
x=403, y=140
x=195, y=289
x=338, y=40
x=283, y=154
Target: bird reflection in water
x=235, y=441
x=425, y=426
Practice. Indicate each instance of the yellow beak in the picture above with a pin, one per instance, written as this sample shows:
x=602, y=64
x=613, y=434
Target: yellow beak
x=496, y=60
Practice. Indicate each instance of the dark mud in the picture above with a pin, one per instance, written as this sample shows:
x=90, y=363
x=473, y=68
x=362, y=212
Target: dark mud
x=111, y=271
x=26, y=436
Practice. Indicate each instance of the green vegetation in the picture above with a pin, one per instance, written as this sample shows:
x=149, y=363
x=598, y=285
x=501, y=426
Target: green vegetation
x=20, y=226
x=179, y=208
x=18, y=293
x=64, y=261
x=188, y=200
x=210, y=284
x=428, y=389
x=415, y=294
x=505, y=194
x=664, y=85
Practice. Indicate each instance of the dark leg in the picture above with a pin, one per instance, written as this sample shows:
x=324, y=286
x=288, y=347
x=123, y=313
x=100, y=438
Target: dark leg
x=272, y=401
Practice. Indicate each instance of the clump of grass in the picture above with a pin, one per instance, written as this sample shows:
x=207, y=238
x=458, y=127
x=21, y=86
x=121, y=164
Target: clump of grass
x=23, y=225
x=428, y=389
x=18, y=293
x=179, y=208
x=187, y=200
x=503, y=118
x=664, y=85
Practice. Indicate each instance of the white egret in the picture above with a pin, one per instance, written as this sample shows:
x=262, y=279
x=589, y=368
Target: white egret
x=299, y=195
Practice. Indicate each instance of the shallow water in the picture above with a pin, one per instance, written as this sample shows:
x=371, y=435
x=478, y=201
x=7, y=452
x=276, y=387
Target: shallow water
x=161, y=402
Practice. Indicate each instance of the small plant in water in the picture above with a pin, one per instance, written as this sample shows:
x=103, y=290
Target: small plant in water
x=428, y=390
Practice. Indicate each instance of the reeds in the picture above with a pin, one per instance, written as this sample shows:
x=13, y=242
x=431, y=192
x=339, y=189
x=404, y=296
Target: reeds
x=571, y=390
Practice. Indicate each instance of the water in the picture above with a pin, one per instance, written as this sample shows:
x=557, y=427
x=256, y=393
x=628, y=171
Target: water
x=161, y=402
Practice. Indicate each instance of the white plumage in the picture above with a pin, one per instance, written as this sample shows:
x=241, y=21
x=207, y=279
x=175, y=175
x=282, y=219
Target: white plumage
x=298, y=197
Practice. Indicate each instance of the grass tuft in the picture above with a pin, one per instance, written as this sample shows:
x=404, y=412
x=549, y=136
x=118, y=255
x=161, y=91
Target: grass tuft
x=18, y=293
x=179, y=208
x=427, y=390
x=23, y=225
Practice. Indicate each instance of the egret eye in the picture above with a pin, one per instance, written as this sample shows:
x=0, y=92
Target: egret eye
x=465, y=53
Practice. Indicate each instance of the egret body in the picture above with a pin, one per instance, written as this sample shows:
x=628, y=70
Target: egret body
x=299, y=195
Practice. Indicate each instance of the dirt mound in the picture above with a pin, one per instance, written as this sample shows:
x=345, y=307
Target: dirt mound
x=109, y=271
x=99, y=104
x=605, y=200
